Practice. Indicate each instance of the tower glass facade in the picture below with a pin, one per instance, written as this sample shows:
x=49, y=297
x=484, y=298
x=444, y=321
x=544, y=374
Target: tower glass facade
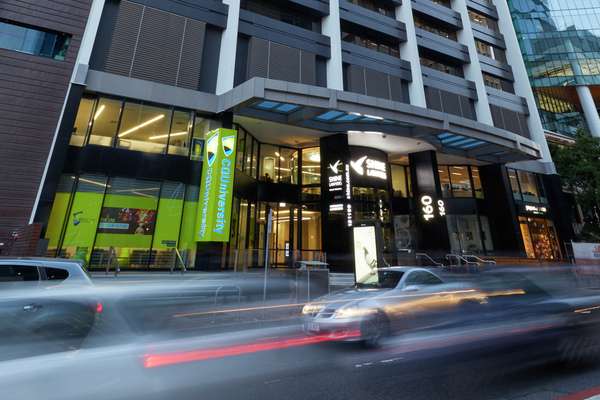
x=560, y=43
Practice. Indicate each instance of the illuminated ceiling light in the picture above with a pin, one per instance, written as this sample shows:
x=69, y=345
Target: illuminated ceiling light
x=355, y=113
x=277, y=154
x=99, y=111
x=282, y=204
x=315, y=157
x=166, y=135
x=373, y=133
x=143, y=124
x=374, y=117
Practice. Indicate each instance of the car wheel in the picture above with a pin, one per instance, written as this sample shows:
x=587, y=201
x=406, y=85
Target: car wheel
x=374, y=329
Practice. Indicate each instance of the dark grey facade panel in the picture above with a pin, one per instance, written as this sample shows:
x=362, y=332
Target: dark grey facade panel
x=443, y=14
x=364, y=17
x=449, y=83
x=213, y=12
x=320, y=6
x=122, y=48
x=357, y=55
x=321, y=71
x=159, y=46
x=284, y=63
x=398, y=89
x=377, y=84
x=355, y=77
x=191, y=54
x=210, y=60
x=277, y=61
x=158, y=50
x=510, y=120
x=241, y=60
x=489, y=36
x=484, y=7
x=446, y=47
x=308, y=68
x=496, y=68
x=450, y=103
x=506, y=100
x=258, y=58
x=259, y=26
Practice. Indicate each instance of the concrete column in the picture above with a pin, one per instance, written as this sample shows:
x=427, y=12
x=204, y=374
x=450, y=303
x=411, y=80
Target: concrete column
x=226, y=74
x=514, y=58
x=331, y=28
x=472, y=70
x=409, y=51
x=590, y=112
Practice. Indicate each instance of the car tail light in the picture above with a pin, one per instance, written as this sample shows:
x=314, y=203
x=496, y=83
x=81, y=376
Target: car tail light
x=99, y=308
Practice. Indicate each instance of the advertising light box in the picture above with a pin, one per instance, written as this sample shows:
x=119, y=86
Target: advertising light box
x=216, y=187
x=365, y=254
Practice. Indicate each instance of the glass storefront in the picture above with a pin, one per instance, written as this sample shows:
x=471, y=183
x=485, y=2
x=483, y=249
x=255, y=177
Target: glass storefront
x=460, y=181
x=140, y=222
x=539, y=238
x=469, y=234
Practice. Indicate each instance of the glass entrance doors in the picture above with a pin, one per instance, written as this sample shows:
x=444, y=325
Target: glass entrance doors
x=539, y=238
x=465, y=234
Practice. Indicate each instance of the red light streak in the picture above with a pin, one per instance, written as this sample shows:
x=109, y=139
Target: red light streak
x=165, y=359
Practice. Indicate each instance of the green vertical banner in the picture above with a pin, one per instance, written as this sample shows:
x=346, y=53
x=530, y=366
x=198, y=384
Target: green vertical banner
x=216, y=188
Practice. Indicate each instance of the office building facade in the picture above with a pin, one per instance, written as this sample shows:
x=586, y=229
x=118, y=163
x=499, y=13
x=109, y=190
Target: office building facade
x=560, y=43
x=315, y=117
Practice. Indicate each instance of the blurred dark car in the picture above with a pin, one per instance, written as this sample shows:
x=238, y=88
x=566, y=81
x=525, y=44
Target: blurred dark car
x=45, y=306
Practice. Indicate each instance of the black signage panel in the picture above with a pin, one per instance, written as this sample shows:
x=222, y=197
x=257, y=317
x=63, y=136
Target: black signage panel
x=368, y=167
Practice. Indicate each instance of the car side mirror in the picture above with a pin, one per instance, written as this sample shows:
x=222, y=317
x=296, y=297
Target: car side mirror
x=410, y=288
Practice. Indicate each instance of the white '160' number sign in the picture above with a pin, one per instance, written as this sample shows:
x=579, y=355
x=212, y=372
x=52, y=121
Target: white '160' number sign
x=428, y=208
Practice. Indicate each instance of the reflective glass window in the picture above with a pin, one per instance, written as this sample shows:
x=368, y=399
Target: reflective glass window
x=529, y=188
x=288, y=165
x=399, y=180
x=168, y=223
x=514, y=184
x=58, y=213
x=477, y=182
x=127, y=223
x=144, y=128
x=33, y=41
x=83, y=121
x=311, y=166
x=105, y=122
x=269, y=162
x=445, y=180
x=201, y=127
x=241, y=149
x=179, y=138
x=461, y=184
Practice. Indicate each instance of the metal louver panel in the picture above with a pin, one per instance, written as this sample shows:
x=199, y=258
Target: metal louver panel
x=258, y=55
x=191, y=55
x=120, y=54
x=159, y=47
x=308, y=68
x=284, y=63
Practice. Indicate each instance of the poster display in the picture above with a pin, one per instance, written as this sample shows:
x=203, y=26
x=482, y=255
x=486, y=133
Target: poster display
x=127, y=221
x=586, y=253
x=365, y=255
x=216, y=187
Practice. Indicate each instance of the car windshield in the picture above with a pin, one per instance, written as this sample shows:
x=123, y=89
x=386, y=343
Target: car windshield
x=387, y=279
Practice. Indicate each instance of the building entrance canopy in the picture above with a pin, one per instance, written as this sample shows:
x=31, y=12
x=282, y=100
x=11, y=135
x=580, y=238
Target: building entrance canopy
x=334, y=111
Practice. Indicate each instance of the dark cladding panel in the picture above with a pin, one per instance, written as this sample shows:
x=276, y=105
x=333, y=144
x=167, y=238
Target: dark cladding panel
x=355, y=79
x=308, y=68
x=433, y=98
x=450, y=103
x=523, y=124
x=397, y=90
x=467, y=107
x=120, y=54
x=191, y=54
x=377, y=84
x=210, y=60
x=258, y=56
x=159, y=47
x=284, y=63
x=497, y=116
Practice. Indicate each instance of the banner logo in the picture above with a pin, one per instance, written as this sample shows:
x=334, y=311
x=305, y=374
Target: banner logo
x=216, y=188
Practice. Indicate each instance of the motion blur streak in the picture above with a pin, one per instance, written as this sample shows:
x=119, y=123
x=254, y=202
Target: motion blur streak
x=161, y=360
x=230, y=310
